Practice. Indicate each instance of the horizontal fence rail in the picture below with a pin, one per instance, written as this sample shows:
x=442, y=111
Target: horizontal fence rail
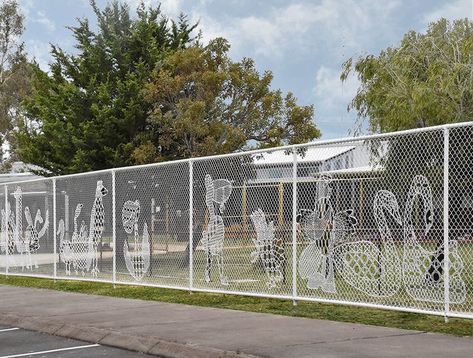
x=382, y=221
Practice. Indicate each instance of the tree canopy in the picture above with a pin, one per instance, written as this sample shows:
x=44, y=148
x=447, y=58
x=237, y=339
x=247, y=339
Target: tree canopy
x=426, y=80
x=88, y=111
x=141, y=89
x=15, y=70
x=203, y=103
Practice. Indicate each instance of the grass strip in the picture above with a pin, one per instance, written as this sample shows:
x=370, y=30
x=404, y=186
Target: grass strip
x=341, y=313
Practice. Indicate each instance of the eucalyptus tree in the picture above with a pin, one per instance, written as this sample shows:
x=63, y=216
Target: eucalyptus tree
x=15, y=70
x=426, y=80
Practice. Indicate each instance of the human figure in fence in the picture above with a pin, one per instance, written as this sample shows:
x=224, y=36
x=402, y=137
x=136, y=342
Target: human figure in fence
x=216, y=192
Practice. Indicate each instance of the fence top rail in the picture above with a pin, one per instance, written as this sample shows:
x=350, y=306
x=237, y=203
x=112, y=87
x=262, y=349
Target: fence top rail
x=324, y=142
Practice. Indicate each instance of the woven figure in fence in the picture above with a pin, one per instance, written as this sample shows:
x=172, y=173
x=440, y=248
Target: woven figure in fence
x=216, y=192
x=97, y=222
x=65, y=246
x=73, y=252
x=423, y=266
x=370, y=267
x=4, y=233
x=137, y=259
x=84, y=245
x=81, y=248
x=316, y=260
x=21, y=245
x=33, y=234
x=268, y=249
x=26, y=243
x=8, y=244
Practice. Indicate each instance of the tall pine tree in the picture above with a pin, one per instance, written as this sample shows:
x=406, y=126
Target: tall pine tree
x=88, y=111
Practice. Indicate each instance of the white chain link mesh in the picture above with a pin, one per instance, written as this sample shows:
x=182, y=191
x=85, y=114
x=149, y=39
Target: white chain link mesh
x=27, y=235
x=369, y=223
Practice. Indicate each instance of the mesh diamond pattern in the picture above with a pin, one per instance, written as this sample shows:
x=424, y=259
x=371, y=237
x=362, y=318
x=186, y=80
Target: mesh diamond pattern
x=381, y=220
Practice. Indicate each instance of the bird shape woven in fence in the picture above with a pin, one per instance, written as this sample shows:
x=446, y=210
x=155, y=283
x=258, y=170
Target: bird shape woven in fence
x=137, y=259
x=33, y=234
x=73, y=253
x=376, y=268
x=423, y=268
x=81, y=252
x=24, y=243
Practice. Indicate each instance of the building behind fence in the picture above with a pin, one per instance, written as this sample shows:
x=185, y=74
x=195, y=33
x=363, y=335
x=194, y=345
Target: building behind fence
x=379, y=221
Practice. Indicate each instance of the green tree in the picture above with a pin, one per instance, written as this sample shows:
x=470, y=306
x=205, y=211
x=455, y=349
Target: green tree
x=89, y=112
x=426, y=80
x=142, y=90
x=203, y=103
x=15, y=71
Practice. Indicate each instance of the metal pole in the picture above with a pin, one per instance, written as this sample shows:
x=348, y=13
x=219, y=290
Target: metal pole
x=7, y=247
x=191, y=225
x=294, y=226
x=446, y=253
x=54, y=228
x=66, y=216
x=114, y=235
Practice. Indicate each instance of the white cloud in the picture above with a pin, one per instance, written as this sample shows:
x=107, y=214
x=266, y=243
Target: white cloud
x=168, y=7
x=171, y=7
x=39, y=50
x=42, y=19
x=302, y=24
x=330, y=91
x=456, y=9
x=331, y=98
x=268, y=35
x=26, y=6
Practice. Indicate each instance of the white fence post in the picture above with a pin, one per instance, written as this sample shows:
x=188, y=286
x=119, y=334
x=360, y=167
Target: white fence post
x=294, y=225
x=191, y=225
x=7, y=247
x=446, y=269
x=54, y=228
x=114, y=234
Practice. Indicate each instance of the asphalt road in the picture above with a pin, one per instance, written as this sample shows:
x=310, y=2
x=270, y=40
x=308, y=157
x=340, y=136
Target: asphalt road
x=175, y=330
x=15, y=342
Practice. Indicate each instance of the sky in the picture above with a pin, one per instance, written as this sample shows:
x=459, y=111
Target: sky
x=303, y=42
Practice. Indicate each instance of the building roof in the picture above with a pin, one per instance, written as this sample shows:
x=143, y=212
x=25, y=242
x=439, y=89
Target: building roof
x=354, y=170
x=311, y=155
x=19, y=172
x=13, y=177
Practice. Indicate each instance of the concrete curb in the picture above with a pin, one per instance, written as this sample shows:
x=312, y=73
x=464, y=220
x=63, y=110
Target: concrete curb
x=107, y=337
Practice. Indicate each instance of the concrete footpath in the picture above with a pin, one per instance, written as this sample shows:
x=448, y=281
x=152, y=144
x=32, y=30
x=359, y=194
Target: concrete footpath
x=173, y=330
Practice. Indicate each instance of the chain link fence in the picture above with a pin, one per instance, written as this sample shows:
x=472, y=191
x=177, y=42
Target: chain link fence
x=379, y=221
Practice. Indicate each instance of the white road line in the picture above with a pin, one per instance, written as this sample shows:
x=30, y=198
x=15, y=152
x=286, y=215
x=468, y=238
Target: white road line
x=8, y=329
x=51, y=351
